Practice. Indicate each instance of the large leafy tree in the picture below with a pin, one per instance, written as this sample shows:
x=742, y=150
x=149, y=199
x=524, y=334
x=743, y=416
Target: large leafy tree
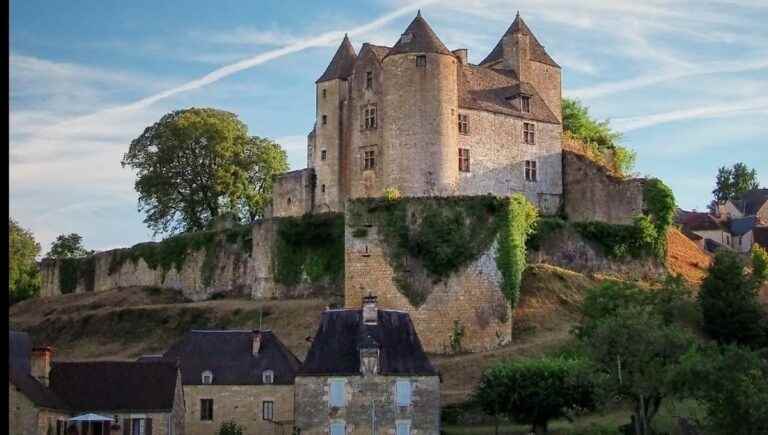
x=23, y=275
x=198, y=163
x=731, y=183
x=68, y=246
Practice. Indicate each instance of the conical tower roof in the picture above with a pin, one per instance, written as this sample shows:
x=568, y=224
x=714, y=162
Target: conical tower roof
x=419, y=38
x=342, y=63
x=537, y=51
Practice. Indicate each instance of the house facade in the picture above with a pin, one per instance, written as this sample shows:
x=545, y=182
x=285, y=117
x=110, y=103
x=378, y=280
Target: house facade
x=366, y=372
x=244, y=376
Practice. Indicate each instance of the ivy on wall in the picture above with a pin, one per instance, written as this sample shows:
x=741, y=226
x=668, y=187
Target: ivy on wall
x=518, y=223
x=74, y=270
x=309, y=249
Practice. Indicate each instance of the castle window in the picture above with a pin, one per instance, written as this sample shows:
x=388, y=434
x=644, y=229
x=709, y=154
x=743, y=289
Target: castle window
x=325, y=119
x=324, y=93
x=323, y=154
x=369, y=80
x=206, y=409
x=463, y=124
x=289, y=200
x=369, y=159
x=529, y=133
x=531, y=173
x=369, y=114
x=525, y=104
x=268, y=410
x=421, y=60
x=463, y=160
x=268, y=377
x=207, y=377
x=322, y=188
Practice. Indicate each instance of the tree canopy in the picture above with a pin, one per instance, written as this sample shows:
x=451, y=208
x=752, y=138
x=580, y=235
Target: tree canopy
x=23, y=274
x=195, y=164
x=68, y=246
x=731, y=183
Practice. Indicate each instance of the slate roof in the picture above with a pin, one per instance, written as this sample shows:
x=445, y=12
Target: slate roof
x=537, y=52
x=760, y=235
x=342, y=63
x=419, y=37
x=228, y=355
x=489, y=89
x=713, y=246
x=751, y=202
x=741, y=226
x=19, y=351
x=115, y=385
x=697, y=221
x=35, y=391
x=334, y=349
x=379, y=50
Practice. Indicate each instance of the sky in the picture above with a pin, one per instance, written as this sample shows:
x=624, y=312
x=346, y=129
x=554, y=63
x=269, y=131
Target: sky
x=685, y=81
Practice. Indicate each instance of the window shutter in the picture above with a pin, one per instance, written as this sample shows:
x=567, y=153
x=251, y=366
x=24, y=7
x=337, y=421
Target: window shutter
x=126, y=426
x=148, y=427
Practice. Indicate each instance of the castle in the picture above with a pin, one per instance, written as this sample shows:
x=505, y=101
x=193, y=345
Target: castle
x=420, y=119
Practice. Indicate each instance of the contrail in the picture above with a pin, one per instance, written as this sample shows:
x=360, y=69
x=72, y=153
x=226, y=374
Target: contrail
x=228, y=70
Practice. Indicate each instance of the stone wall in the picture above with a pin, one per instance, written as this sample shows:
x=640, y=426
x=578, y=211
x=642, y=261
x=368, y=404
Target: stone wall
x=293, y=193
x=314, y=415
x=241, y=404
x=590, y=193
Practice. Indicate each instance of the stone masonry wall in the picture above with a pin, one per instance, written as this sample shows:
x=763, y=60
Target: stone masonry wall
x=314, y=415
x=293, y=193
x=590, y=193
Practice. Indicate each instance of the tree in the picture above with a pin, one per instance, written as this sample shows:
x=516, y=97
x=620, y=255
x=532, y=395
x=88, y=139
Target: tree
x=23, y=274
x=230, y=428
x=195, y=164
x=731, y=183
x=68, y=246
x=536, y=391
x=729, y=302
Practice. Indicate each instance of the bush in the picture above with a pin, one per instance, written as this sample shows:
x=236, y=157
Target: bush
x=544, y=227
x=620, y=241
x=309, y=248
x=230, y=428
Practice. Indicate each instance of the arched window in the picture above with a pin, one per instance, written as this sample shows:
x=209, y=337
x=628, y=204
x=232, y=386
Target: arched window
x=207, y=377
x=268, y=376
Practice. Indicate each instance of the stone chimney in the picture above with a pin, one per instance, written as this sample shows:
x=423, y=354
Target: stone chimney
x=370, y=312
x=41, y=363
x=256, y=342
x=462, y=54
x=516, y=49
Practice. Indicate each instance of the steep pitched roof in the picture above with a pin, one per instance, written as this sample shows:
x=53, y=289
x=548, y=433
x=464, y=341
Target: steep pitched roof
x=760, y=235
x=229, y=356
x=751, y=202
x=696, y=221
x=490, y=89
x=335, y=348
x=38, y=393
x=342, y=63
x=537, y=52
x=419, y=37
x=115, y=385
x=741, y=226
x=379, y=50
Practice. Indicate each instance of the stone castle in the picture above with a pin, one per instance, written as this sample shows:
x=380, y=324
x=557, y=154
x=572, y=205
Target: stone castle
x=418, y=118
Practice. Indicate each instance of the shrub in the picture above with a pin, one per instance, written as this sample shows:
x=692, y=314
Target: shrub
x=230, y=428
x=544, y=227
x=309, y=248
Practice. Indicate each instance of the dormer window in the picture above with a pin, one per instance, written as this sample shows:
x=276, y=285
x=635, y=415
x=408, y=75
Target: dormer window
x=268, y=377
x=207, y=377
x=369, y=80
x=406, y=37
x=525, y=104
x=421, y=60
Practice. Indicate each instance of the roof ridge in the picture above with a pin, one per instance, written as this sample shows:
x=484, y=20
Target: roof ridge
x=342, y=63
x=419, y=37
x=537, y=51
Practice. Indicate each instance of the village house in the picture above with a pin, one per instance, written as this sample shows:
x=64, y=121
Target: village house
x=366, y=372
x=244, y=376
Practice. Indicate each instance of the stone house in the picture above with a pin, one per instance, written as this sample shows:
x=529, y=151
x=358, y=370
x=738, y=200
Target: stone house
x=366, y=372
x=752, y=203
x=421, y=119
x=706, y=226
x=243, y=376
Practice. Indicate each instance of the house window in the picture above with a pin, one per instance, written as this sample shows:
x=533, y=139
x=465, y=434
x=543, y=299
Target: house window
x=403, y=392
x=463, y=124
x=530, y=171
x=463, y=160
x=325, y=119
x=403, y=427
x=529, y=133
x=324, y=93
x=369, y=159
x=338, y=428
x=369, y=114
x=369, y=80
x=207, y=377
x=337, y=393
x=268, y=376
x=323, y=154
x=268, y=410
x=206, y=409
x=525, y=104
x=421, y=60
x=141, y=426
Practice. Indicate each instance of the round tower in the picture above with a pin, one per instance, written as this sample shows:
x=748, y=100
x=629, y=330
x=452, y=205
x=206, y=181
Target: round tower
x=420, y=102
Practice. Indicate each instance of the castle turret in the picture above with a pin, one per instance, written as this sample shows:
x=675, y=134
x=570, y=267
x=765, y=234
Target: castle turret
x=421, y=109
x=326, y=155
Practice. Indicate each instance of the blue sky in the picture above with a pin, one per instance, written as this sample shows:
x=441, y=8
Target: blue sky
x=685, y=80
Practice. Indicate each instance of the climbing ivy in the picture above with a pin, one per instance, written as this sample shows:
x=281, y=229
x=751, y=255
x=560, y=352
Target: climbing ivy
x=518, y=223
x=73, y=270
x=309, y=248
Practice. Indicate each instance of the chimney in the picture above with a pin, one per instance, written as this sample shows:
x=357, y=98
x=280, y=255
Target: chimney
x=41, y=363
x=370, y=312
x=462, y=54
x=256, y=342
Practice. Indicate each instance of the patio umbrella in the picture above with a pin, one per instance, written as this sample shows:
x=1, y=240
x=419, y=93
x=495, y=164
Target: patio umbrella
x=90, y=417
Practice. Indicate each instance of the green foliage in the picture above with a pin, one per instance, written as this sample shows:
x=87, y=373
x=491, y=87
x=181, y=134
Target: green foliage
x=457, y=334
x=729, y=302
x=68, y=246
x=660, y=205
x=360, y=232
x=73, y=269
x=545, y=226
x=517, y=224
x=759, y=265
x=309, y=248
x=392, y=194
x=620, y=241
x=230, y=428
x=196, y=164
x=731, y=183
x=536, y=391
x=23, y=274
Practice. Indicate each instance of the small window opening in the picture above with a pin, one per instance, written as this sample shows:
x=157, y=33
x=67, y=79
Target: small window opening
x=207, y=377
x=268, y=410
x=369, y=80
x=268, y=377
x=325, y=119
x=463, y=124
x=463, y=159
x=323, y=154
x=322, y=188
x=206, y=409
x=525, y=104
x=529, y=133
x=369, y=114
x=369, y=160
x=324, y=93
x=531, y=171
x=421, y=60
